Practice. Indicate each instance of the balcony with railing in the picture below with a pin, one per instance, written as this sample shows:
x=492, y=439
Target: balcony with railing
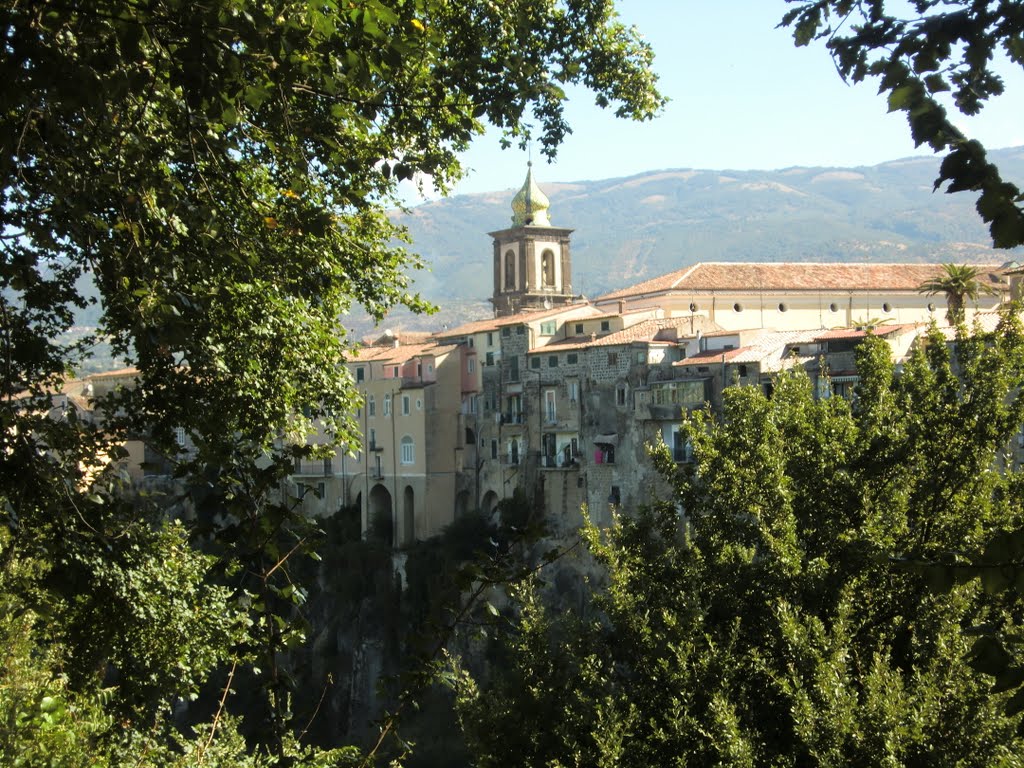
x=314, y=467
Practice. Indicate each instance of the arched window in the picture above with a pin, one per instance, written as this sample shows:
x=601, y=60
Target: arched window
x=510, y=271
x=408, y=450
x=547, y=269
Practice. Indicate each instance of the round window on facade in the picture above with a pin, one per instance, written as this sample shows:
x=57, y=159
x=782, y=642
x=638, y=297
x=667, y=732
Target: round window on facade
x=783, y=307
x=737, y=307
x=833, y=307
x=693, y=306
x=887, y=307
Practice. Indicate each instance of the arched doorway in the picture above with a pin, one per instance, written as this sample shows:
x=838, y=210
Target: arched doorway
x=489, y=504
x=461, y=504
x=379, y=517
x=408, y=517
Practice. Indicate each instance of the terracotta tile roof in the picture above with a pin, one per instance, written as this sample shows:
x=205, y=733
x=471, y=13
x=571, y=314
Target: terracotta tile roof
x=494, y=323
x=399, y=354
x=387, y=338
x=645, y=330
x=791, y=276
x=709, y=356
x=769, y=347
x=856, y=333
x=115, y=374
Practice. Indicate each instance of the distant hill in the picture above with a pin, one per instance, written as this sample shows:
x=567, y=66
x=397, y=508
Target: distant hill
x=631, y=229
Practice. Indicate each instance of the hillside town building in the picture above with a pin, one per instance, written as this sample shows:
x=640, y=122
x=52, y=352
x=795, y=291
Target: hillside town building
x=562, y=397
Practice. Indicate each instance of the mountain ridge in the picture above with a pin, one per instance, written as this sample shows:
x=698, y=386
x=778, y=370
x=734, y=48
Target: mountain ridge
x=633, y=228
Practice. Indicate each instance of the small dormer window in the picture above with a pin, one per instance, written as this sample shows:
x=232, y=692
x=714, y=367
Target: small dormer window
x=605, y=325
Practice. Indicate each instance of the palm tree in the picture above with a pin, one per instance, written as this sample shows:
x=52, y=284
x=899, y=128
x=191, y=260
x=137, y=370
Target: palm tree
x=958, y=282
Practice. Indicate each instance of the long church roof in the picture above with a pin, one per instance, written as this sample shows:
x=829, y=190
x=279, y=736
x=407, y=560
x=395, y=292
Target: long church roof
x=750, y=277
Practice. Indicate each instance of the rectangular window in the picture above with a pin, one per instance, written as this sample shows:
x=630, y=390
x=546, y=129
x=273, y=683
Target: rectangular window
x=373, y=439
x=470, y=342
x=471, y=365
x=371, y=406
x=553, y=361
x=620, y=395
x=494, y=448
x=641, y=356
x=490, y=359
x=549, y=405
x=408, y=451
x=613, y=359
x=419, y=369
x=572, y=358
x=573, y=388
x=534, y=363
x=520, y=330
x=605, y=325
x=387, y=405
x=360, y=374
x=513, y=369
x=405, y=405
x=490, y=339
x=506, y=332
x=547, y=328
x=394, y=371
x=579, y=329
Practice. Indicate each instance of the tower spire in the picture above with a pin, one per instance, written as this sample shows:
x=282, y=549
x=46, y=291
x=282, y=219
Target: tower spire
x=530, y=205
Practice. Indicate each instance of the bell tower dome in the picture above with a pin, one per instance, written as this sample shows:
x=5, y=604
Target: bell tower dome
x=532, y=266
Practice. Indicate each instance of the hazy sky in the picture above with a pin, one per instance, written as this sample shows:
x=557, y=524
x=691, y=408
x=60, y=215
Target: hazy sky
x=742, y=97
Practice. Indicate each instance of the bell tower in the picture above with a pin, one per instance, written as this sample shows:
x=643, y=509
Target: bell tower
x=532, y=267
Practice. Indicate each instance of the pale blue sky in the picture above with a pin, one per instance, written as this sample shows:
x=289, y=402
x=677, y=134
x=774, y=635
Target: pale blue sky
x=742, y=97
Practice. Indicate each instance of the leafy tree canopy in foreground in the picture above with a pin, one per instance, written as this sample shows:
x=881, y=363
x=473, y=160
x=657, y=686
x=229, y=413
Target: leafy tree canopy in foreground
x=921, y=51
x=221, y=171
x=770, y=627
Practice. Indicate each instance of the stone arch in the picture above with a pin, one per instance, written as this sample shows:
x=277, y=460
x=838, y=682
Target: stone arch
x=461, y=504
x=547, y=268
x=510, y=270
x=408, y=516
x=489, y=505
x=379, y=517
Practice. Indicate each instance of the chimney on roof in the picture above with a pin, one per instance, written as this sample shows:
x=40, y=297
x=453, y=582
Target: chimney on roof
x=622, y=306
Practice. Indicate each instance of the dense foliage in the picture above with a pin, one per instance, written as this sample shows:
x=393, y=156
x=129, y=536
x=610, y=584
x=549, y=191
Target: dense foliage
x=758, y=617
x=220, y=171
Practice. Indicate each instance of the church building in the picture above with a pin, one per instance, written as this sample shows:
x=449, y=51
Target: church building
x=532, y=266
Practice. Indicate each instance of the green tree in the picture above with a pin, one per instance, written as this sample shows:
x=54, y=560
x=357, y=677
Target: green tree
x=920, y=52
x=958, y=284
x=767, y=624
x=221, y=173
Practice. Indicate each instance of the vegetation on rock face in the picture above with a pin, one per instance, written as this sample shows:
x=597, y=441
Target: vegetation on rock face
x=221, y=171
x=757, y=618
